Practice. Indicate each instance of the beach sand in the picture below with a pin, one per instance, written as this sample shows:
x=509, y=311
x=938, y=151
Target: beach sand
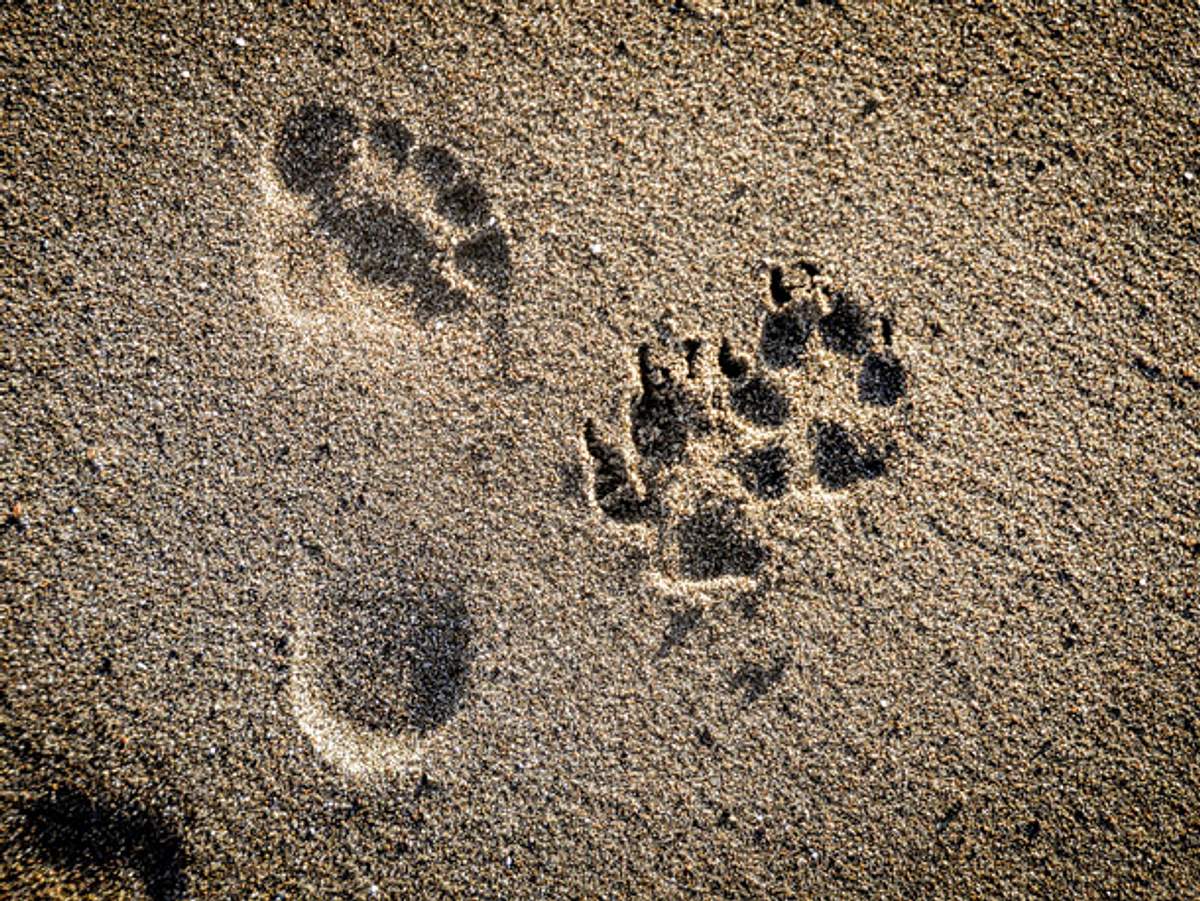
x=640, y=450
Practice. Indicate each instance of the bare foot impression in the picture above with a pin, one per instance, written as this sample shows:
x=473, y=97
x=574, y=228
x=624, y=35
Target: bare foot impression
x=377, y=222
x=369, y=225
x=711, y=435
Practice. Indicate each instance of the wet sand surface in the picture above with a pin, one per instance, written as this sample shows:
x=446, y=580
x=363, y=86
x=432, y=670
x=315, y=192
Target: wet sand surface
x=650, y=449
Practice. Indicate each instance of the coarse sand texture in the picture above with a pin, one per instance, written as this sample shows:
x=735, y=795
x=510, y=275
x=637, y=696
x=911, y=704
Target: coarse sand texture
x=629, y=449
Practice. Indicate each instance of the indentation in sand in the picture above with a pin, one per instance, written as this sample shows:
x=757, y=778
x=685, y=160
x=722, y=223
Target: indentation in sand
x=376, y=670
x=363, y=226
x=712, y=437
x=368, y=230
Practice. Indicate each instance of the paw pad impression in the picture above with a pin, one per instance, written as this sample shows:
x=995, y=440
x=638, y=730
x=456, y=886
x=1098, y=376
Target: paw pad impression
x=712, y=438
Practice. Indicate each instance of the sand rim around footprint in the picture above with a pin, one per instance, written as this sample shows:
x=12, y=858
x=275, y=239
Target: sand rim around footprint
x=363, y=224
x=711, y=436
x=378, y=668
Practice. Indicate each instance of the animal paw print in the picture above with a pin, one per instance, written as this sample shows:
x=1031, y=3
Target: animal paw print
x=714, y=439
x=442, y=241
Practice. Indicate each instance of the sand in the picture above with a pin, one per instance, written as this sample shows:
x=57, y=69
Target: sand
x=639, y=450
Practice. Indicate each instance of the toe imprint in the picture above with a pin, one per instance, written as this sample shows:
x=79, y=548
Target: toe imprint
x=428, y=230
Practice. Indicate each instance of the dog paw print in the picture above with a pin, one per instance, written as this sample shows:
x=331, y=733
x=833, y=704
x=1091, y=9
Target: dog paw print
x=713, y=435
x=405, y=214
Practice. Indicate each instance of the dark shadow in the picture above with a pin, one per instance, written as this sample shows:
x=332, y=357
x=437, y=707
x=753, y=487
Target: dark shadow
x=611, y=487
x=754, y=680
x=662, y=415
x=731, y=365
x=314, y=147
x=784, y=339
x=882, y=380
x=69, y=829
x=758, y=401
x=393, y=140
x=677, y=630
x=765, y=472
x=436, y=297
x=437, y=165
x=844, y=327
x=394, y=659
x=781, y=294
x=691, y=352
x=465, y=204
x=362, y=639
x=439, y=644
x=383, y=244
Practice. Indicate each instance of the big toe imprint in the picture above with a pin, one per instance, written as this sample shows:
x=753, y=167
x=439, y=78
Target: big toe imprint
x=377, y=669
x=405, y=216
x=314, y=148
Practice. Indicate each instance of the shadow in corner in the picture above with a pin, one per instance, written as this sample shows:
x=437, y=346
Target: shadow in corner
x=69, y=829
